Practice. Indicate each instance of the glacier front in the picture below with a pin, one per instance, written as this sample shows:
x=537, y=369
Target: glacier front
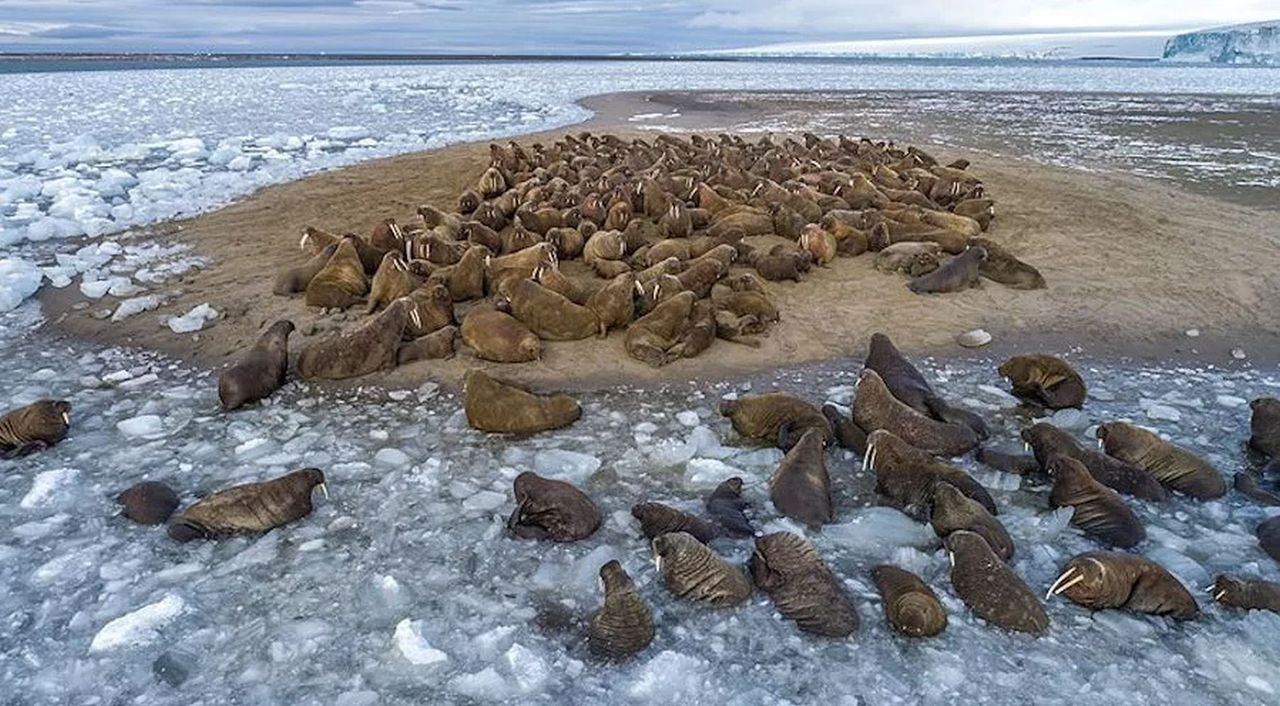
x=1256, y=44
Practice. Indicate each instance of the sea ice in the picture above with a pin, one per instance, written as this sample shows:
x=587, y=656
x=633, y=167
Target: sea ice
x=47, y=486
x=19, y=279
x=193, y=320
x=413, y=646
x=140, y=627
x=144, y=425
x=565, y=465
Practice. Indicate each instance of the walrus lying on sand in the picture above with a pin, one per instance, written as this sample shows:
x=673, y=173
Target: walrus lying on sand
x=913, y=259
x=495, y=406
x=552, y=510
x=875, y=407
x=911, y=607
x=1001, y=266
x=690, y=570
x=800, y=488
x=1048, y=441
x=296, y=279
x=790, y=570
x=624, y=624
x=910, y=387
x=990, y=588
x=33, y=428
x=500, y=337
x=260, y=371
x=955, y=275
x=252, y=508
x=1175, y=467
x=767, y=417
x=1250, y=594
x=548, y=314
x=907, y=476
x=1101, y=580
x=1099, y=511
x=341, y=282
x=1046, y=379
x=437, y=345
x=657, y=519
x=950, y=511
x=651, y=338
x=728, y=507
x=371, y=347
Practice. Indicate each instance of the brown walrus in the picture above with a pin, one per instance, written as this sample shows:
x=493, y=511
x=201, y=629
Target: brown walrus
x=1001, y=266
x=1099, y=511
x=906, y=475
x=911, y=607
x=387, y=235
x=392, y=281
x=1017, y=464
x=990, y=588
x=950, y=511
x=771, y=416
x=260, y=371
x=1247, y=485
x=252, y=508
x=1268, y=533
x=727, y=506
x=658, y=519
x=148, y=503
x=434, y=308
x=296, y=279
x=789, y=569
x=551, y=316
x=692, y=571
x=909, y=386
x=913, y=259
x=552, y=510
x=494, y=335
x=615, y=303
x=801, y=488
x=1175, y=467
x=1250, y=594
x=342, y=281
x=699, y=333
x=604, y=252
x=465, y=280
x=624, y=624
x=35, y=427
x=875, y=407
x=955, y=275
x=1046, y=379
x=440, y=344
x=371, y=347
x=651, y=337
x=1100, y=580
x=502, y=407
x=1048, y=441
x=847, y=432
x=1264, y=425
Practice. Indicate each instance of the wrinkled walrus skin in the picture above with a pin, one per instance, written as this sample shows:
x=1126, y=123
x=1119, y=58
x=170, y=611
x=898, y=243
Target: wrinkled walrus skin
x=1001, y=266
x=1100, y=512
x=499, y=337
x=690, y=570
x=1048, y=441
x=765, y=417
x=148, y=503
x=657, y=519
x=624, y=624
x=800, y=487
x=1100, y=580
x=874, y=407
x=252, y=508
x=906, y=475
x=727, y=506
x=552, y=510
x=500, y=407
x=911, y=607
x=341, y=282
x=955, y=275
x=370, y=347
x=952, y=510
x=1249, y=594
x=1046, y=379
x=907, y=384
x=260, y=371
x=296, y=279
x=33, y=428
x=652, y=338
x=789, y=569
x=1175, y=467
x=548, y=314
x=990, y=588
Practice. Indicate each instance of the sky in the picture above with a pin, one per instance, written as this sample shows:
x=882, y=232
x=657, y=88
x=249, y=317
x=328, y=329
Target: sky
x=569, y=26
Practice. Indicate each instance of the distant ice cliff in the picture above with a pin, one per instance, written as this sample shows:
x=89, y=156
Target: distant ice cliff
x=1256, y=44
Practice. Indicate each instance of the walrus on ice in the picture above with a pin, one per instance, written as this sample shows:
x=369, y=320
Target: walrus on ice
x=907, y=475
x=624, y=624
x=911, y=607
x=552, y=510
x=800, y=487
x=910, y=387
x=790, y=570
x=1046, y=379
x=657, y=519
x=875, y=407
x=765, y=417
x=690, y=570
x=33, y=428
x=990, y=588
x=1175, y=467
x=1099, y=511
x=1099, y=580
x=252, y=508
x=496, y=406
x=260, y=371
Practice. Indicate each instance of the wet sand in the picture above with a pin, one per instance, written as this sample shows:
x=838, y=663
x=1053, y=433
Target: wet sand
x=1131, y=265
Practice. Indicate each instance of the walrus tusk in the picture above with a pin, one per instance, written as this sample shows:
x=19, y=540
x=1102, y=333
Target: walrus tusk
x=951, y=557
x=1058, y=587
x=1218, y=596
x=408, y=249
x=413, y=315
x=66, y=418
x=1101, y=445
x=302, y=243
x=639, y=288
x=324, y=490
x=1026, y=446
x=395, y=230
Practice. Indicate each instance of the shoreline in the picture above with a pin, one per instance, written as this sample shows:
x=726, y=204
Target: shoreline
x=1098, y=305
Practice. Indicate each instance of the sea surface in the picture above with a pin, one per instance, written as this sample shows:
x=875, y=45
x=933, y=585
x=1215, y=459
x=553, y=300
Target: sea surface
x=403, y=587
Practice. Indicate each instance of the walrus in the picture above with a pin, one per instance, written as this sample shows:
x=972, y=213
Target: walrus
x=478, y=233
x=906, y=475
x=910, y=258
x=950, y=511
x=663, y=249
x=1046, y=379
x=553, y=510
x=624, y=624
x=800, y=487
x=392, y=281
x=875, y=407
x=1249, y=594
x=990, y=588
x=728, y=508
x=501, y=407
x=549, y=315
x=778, y=267
x=615, y=303
x=519, y=265
x=315, y=240
x=465, y=280
x=907, y=385
x=1001, y=266
x=1175, y=467
x=1247, y=485
x=693, y=572
x=1101, y=580
x=819, y=243
x=491, y=183
x=1047, y=441
x=746, y=303
x=737, y=329
x=911, y=607
x=468, y=202
x=651, y=337
x=440, y=344
x=260, y=371
x=148, y=503
x=252, y=508
x=891, y=232
x=658, y=519
x=341, y=282
x=1268, y=533
x=1099, y=511
x=568, y=242
x=847, y=433
x=955, y=275
x=1017, y=464
x=789, y=569
x=604, y=252
x=35, y=427
x=1264, y=425
x=387, y=235
x=296, y=279
x=370, y=347
x=699, y=332
x=434, y=308
x=701, y=275
x=499, y=337
x=770, y=416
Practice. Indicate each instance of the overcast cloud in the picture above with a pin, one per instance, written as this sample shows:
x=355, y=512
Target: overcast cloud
x=564, y=26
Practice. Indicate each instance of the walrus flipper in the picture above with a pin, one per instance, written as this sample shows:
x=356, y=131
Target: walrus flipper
x=943, y=411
